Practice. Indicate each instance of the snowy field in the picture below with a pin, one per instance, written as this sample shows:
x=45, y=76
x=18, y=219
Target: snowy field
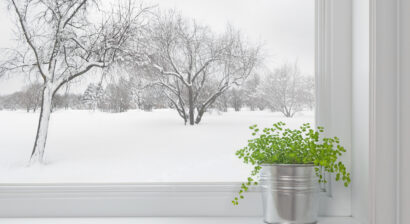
x=136, y=146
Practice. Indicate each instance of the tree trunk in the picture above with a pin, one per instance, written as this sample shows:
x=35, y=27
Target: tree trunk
x=287, y=112
x=37, y=156
x=191, y=106
x=225, y=107
x=205, y=106
x=200, y=114
x=237, y=107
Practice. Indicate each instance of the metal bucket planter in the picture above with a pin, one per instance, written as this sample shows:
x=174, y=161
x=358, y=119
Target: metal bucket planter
x=289, y=193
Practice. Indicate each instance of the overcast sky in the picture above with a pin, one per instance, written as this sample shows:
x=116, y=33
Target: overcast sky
x=285, y=27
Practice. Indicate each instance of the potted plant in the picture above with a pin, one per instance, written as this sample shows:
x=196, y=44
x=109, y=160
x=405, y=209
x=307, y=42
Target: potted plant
x=290, y=165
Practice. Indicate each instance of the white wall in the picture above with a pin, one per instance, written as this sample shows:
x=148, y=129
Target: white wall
x=360, y=110
x=404, y=110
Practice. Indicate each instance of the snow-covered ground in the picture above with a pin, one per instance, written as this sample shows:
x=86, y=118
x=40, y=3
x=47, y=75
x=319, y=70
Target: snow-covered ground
x=136, y=146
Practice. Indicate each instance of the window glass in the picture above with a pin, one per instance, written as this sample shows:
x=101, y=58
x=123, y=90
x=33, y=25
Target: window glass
x=168, y=100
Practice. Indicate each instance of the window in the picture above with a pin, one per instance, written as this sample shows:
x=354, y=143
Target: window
x=127, y=123
x=107, y=137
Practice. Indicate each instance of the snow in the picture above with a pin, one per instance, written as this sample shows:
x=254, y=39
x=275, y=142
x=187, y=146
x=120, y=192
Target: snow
x=136, y=146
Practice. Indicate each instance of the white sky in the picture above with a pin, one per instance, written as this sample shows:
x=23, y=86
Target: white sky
x=285, y=27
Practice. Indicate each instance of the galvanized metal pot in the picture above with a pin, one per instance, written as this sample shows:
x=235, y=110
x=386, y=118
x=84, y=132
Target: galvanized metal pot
x=289, y=193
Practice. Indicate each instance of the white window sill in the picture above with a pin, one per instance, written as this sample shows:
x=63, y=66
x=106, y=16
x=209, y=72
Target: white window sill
x=158, y=220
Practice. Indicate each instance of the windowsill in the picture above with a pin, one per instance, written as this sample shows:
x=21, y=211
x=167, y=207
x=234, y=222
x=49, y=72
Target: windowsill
x=136, y=200
x=168, y=220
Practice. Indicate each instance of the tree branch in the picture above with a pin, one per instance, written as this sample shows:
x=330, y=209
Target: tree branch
x=29, y=41
x=74, y=13
x=68, y=79
x=203, y=68
x=174, y=74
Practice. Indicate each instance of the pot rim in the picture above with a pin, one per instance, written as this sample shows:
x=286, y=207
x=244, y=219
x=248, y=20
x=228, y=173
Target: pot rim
x=292, y=165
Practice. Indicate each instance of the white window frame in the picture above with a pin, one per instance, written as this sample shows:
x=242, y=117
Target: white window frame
x=333, y=75
x=389, y=194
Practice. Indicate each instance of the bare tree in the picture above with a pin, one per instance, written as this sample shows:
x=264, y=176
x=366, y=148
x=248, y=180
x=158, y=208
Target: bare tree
x=66, y=101
x=117, y=97
x=61, y=43
x=92, y=95
x=196, y=66
x=13, y=101
x=145, y=95
x=287, y=91
x=236, y=98
x=31, y=97
x=222, y=103
x=252, y=97
x=309, y=98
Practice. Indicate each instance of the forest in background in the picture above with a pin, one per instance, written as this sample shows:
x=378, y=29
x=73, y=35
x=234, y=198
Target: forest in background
x=285, y=90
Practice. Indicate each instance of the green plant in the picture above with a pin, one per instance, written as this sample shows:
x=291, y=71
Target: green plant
x=280, y=145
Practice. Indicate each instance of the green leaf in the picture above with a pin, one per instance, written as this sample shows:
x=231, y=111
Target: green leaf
x=281, y=145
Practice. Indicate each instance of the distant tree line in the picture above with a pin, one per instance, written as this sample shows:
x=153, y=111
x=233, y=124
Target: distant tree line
x=29, y=99
x=284, y=90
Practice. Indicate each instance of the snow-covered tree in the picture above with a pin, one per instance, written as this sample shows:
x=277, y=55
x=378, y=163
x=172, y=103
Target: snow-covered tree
x=1, y=102
x=222, y=103
x=252, y=95
x=287, y=91
x=145, y=95
x=92, y=96
x=89, y=97
x=309, y=98
x=67, y=101
x=31, y=97
x=187, y=58
x=13, y=101
x=149, y=98
x=236, y=98
x=117, y=97
x=60, y=41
